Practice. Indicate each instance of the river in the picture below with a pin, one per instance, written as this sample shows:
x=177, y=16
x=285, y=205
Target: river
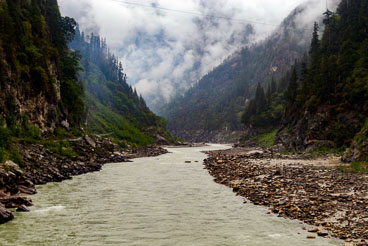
x=150, y=201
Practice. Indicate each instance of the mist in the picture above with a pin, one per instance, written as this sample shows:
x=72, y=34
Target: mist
x=164, y=52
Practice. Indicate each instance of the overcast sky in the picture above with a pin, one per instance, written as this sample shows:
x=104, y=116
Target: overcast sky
x=163, y=51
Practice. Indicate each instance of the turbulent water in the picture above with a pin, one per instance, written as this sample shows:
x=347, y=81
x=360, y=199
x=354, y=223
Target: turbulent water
x=151, y=201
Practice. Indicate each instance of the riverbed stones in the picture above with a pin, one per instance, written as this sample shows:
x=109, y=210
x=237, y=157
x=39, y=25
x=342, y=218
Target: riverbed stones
x=320, y=195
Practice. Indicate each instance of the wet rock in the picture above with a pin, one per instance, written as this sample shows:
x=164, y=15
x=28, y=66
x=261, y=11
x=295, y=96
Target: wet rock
x=16, y=201
x=322, y=233
x=23, y=209
x=188, y=162
x=5, y=215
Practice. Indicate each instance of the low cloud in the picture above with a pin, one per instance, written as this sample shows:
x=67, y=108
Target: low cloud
x=165, y=52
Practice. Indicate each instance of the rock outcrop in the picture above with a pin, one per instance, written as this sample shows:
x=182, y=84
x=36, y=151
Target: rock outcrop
x=324, y=128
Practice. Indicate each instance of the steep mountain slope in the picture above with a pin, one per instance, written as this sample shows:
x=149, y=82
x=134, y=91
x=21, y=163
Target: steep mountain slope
x=112, y=105
x=330, y=107
x=36, y=67
x=216, y=103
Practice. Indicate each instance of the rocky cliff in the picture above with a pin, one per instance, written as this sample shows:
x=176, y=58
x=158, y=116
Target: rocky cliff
x=34, y=69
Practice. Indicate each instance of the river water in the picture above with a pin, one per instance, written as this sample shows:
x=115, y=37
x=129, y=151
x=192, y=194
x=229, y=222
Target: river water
x=151, y=201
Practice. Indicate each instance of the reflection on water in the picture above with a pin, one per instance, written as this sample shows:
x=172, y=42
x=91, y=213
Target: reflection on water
x=152, y=201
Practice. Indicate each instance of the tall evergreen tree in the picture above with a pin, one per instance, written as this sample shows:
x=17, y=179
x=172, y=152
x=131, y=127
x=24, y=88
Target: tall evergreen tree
x=293, y=86
x=315, y=44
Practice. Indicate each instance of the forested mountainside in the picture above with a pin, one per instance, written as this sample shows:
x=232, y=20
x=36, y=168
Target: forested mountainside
x=39, y=88
x=38, y=74
x=217, y=102
x=112, y=105
x=41, y=94
x=328, y=106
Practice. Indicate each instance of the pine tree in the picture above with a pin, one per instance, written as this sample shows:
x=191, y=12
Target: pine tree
x=260, y=99
x=293, y=86
x=273, y=86
x=315, y=44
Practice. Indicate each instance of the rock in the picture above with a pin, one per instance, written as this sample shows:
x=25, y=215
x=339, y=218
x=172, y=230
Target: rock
x=65, y=124
x=5, y=215
x=14, y=167
x=23, y=209
x=322, y=233
x=90, y=141
x=15, y=201
x=313, y=230
x=311, y=236
x=188, y=162
x=27, y=190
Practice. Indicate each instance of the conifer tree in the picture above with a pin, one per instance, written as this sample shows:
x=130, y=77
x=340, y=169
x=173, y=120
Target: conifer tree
x=293, y=86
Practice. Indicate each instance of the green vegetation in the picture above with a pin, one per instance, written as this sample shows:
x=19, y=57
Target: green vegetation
x=34, y=56
x=112, y=105
x=25, y=133
x=334, y=88
x=36, y=63
x=62, y=148
x=355, y=167
x=266, y=139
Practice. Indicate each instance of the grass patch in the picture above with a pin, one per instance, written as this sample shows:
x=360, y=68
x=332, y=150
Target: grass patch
x=266, y=139
x=62, y=148
x=355, y=167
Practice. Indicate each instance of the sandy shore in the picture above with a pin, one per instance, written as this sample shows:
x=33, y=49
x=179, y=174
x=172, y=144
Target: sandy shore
x=312, y=190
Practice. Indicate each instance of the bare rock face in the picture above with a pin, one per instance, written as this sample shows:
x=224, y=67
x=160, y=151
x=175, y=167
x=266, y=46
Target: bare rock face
x=41, y=107
x=359, y=147
x=324, y=128
x=5, y=215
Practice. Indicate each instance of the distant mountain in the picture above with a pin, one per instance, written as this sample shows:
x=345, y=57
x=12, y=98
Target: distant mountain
x=112, y=105
x=215, y=105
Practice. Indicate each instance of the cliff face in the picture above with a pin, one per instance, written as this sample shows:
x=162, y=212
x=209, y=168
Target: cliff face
x=33, y=52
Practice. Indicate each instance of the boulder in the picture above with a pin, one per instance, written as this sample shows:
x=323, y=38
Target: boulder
x=90, y=141
x=23, y=209
x=14, y=168
x=65, y=124
x=15, y=201
x=5, y=215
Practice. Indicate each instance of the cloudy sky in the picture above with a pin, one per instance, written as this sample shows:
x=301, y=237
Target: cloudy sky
x=164, y=50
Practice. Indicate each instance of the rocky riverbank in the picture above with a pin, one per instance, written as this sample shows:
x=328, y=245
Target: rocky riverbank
x=312, y=190
x=57, y=161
